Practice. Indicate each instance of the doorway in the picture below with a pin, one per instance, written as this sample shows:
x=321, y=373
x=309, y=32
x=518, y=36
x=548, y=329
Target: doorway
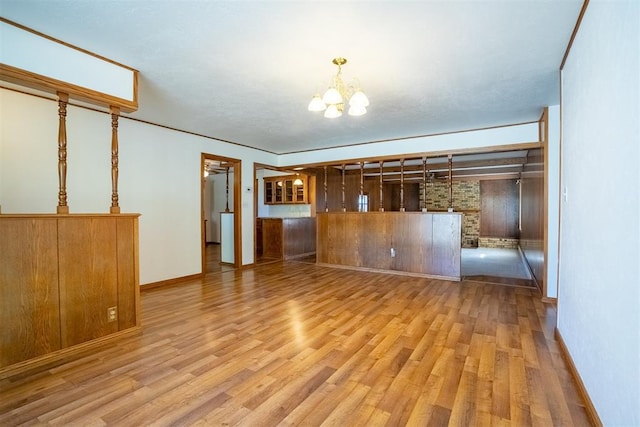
x=220, y=213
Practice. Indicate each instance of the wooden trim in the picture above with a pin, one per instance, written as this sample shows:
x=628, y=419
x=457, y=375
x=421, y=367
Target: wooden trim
x=548, y=300
x=574, y=33
x=75, y=215
x=526, y=263
x=170, y=282
x=395, y=272
x=37, y=81
x=69, y=45
x=298, y=256
x=48, y=84
x=577, y=379
x=544, y=139
x=237, y=207
x=68, y=352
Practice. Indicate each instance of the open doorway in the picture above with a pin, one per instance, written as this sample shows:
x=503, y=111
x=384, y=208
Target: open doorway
x=220, y=213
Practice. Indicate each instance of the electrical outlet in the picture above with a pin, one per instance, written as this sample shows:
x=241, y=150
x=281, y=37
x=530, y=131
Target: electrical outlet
x=112, y=314
x=393, y=253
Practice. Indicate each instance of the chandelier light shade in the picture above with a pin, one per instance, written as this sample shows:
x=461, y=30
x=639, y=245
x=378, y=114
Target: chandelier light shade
x=333, y=100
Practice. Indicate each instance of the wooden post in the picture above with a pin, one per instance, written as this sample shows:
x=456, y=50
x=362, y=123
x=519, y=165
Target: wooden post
x=344, y=207
x=226, y=209
x=381, y=194
x=450, y=183
x=361, y=178
x=63, y=98
x=401, y=185
x=424, y=184
x=326, y=206
x=115, y=207
x=361, y=187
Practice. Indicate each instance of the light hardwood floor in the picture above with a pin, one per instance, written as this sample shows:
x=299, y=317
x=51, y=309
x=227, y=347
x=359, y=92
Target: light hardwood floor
x=297, y=344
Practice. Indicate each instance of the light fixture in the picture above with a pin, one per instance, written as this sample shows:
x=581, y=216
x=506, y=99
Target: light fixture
x=297, y=181
x=333, y=100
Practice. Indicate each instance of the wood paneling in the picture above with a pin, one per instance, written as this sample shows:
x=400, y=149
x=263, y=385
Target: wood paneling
x=128, y=286
x=411, y=197
x=88, y=278
x=299, y=236
x=532, y=234
x=59, y=275
x=272, y=239
x=499, y=200
x=286, y=238
x=30, y=316
x=446, y=244
x=408, y=242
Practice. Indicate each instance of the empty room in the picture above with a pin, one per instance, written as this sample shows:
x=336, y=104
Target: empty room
x=345, y=213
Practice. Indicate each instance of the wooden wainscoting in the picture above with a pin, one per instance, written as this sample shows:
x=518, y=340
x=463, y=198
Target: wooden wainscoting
x=60, y=275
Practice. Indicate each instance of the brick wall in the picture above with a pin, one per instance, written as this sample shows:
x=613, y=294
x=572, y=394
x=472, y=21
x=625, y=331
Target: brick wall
x=466, y=199
x=497, y=242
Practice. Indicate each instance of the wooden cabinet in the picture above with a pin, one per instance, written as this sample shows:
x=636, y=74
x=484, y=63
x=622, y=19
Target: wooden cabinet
x=65, y=280
x=286, y=189
x=288, y=238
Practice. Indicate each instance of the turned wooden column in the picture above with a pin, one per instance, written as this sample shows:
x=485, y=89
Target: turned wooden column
x=63, y=98
x=344, y=206
x=450, y=183
x=361, y=187
x=115, y=207
x=424, y=184
x=226, y=209
x=381, y=192
x=326, y=206
x=402, y=185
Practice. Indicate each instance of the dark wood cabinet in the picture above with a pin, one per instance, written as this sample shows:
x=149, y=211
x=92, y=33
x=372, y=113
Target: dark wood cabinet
x=288, y=238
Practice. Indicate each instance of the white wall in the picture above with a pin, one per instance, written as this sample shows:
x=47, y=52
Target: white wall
x=160, y=177
x=599, y=282
x=428, y=144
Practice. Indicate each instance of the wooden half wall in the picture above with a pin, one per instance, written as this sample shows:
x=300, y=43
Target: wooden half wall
x=425, y=244
x=65, y=280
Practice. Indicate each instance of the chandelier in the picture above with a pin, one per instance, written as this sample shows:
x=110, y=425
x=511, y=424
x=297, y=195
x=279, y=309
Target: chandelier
x=333, y=100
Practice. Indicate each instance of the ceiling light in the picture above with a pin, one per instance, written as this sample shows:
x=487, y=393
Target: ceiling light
x=333, y=100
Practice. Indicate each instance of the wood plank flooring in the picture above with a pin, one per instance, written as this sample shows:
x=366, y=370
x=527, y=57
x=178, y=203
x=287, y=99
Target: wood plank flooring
x=292, y=343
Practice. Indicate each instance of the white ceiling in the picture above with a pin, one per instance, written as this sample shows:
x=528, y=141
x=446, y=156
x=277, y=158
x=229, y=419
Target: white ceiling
x=244, y=71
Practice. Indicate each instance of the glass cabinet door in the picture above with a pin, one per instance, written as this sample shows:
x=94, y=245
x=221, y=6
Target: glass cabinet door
x=288, y=186
x=299, y=193
x=268, y=192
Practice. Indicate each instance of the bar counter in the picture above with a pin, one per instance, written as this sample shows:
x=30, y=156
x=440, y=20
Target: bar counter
x=426, y=244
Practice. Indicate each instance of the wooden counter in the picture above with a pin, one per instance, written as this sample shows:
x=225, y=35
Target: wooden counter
x=412, y=242
x=287, y=238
